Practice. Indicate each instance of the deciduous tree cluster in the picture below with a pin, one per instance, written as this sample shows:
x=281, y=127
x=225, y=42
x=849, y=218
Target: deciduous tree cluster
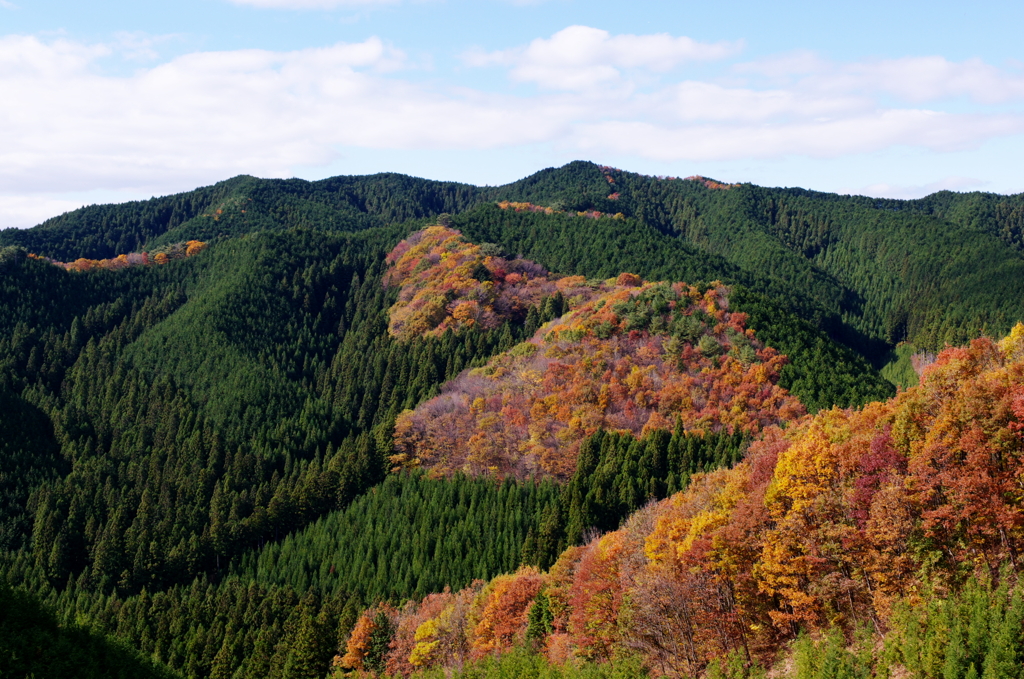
x=840, y=520
x=629, y=356
x=449, y=283
x=164, y=255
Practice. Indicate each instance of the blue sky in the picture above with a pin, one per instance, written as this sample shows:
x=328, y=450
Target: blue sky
x=112, y=101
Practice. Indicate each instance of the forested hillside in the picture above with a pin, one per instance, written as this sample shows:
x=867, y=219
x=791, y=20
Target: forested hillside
x=849, y=522
x=34, y=644
x=871, y=272
x=623, y=355
x=243, y=427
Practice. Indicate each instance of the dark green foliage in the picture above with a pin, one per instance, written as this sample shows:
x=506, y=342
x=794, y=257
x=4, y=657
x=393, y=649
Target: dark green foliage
x=616, y=474
x=101, y=231
x=160, y=423
x=871, y=272
x=35, y=295
x=1000, y=216
x=29, y=456
x=822, y=372
x=408, y=537
x=33, y=643
x=830, y=658
x=206, y=406
x=979, y=632
x=841, y=263
x=165, y=478
x=239, y=206
x=576, y=186
x=523, y=663
x=899, y=368
x=596, y=248
x=540, y=621
x=231, y=629
x=412, y=535
x=380, y=639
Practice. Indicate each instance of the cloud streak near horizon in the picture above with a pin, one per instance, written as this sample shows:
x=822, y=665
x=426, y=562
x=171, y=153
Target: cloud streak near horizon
x=580, y=58
x=200, y=117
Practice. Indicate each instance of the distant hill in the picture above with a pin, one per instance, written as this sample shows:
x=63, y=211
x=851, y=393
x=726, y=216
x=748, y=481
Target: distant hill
x=188, y=436
x=871, y=272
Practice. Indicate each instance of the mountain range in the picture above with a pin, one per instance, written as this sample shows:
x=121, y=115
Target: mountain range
x=589, y=422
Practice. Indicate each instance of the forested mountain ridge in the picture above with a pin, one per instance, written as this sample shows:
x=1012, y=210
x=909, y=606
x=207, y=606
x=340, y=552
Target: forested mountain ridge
x=195, y=455
x=873, y=272
x=241, y=205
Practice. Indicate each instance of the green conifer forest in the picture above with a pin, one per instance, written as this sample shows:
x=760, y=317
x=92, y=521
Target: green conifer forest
x=785, y=428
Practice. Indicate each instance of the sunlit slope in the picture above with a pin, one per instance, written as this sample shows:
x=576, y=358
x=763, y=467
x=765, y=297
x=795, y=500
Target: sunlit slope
x=902, y=517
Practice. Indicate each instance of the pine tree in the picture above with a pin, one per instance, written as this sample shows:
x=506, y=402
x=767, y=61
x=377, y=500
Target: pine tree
x=540, y=618
x=380, y=640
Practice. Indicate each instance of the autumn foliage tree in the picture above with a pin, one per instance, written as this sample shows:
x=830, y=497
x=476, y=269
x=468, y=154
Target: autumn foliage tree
x=448, y=283
x=501, y=611
x=369, y=641
x=176, y=251
x=838, y=522
x=628, y=356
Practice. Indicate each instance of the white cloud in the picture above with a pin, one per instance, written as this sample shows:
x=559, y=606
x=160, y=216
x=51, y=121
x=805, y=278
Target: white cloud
x=25, y=57
x=138, y=45
x=695, y=101
x=23, y=211
x=65, y=126
x=811, y=138
x=912, y=79
x=208, y=115
x=311, y=4
x=920, y=79
x=580, y=57
x=800, y=62
x=884, y=190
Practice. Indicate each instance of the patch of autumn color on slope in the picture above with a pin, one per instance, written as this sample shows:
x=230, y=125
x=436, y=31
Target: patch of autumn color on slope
x=448, y=283
x=176, y=251
x=629, y=356
x=832, y=521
